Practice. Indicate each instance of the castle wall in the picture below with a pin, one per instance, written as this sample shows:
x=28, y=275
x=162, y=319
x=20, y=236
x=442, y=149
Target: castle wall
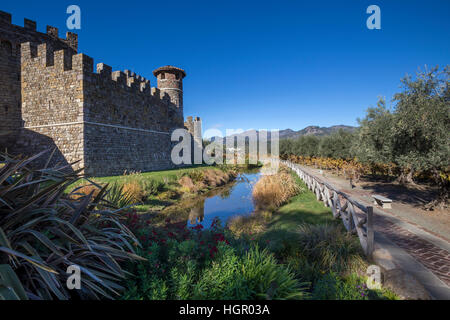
x=111, y=121
x=111, y=151
x=11, y=36
x=107, y=122
x=52, y=103
x=127, y=124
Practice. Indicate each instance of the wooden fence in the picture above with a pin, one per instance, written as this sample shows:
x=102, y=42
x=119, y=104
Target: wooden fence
x=357, y=218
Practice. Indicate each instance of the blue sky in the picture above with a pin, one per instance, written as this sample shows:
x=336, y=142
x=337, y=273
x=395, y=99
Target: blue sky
x=262, y=64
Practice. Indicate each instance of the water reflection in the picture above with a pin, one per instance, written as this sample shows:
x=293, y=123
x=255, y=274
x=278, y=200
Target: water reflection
x=235, y=200
x=197, y=214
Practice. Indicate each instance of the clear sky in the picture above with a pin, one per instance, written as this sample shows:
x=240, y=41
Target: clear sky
x=262, y=64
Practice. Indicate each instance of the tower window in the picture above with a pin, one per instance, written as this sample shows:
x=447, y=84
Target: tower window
x=177, y=76
x=163, y=76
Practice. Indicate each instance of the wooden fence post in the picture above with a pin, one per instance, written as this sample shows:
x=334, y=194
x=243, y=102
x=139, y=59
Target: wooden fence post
x=370, y=233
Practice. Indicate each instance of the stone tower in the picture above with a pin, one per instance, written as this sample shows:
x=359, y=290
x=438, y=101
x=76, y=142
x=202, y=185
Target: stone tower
x=170, y=84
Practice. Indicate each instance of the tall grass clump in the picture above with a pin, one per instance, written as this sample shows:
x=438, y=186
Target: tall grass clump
x=328, y=248
x=153, y=187
x=43, y=231
x=272, y=191
x=134, y=190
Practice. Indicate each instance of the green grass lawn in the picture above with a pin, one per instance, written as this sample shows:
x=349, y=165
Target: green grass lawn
x=303, y=208
x=281, y=236
x=163, y=176
x=170, y=194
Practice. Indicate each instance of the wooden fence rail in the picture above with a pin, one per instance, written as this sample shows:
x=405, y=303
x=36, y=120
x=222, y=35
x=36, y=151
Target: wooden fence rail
x=357, y=218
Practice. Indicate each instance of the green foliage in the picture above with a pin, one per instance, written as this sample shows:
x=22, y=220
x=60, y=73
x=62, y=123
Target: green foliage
x=373, y=143
x=337, y=145
x=10, y=286
x=194, y=264
x=42, y=232
x=330, y=248
x=253, y=275
x=116, y=196
x=195, y=175
x=334, y=287
x=416, y=134
x=153, y=187
x=421, y=133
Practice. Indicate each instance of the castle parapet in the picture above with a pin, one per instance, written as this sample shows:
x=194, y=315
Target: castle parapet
x=5, y=17
x=29, y=31
x=29, y=24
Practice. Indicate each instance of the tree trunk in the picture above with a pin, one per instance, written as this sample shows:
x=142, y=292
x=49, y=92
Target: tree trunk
x=406, y=177
x=442, y=200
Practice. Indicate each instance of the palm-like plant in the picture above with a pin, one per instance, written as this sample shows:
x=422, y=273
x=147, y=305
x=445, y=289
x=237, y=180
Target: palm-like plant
x=44, y=231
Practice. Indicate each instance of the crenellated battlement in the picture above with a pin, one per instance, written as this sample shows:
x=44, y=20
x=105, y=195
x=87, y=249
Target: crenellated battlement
x=56, y=97
x=42, y=55
x=30, y=27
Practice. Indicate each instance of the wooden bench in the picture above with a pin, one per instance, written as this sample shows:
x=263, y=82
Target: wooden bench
x=384, y=202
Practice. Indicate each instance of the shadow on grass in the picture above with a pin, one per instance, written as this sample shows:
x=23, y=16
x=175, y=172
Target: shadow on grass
x=303, y=208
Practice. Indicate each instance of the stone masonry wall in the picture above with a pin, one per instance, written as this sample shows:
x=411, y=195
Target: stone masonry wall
x=110, y=121
x=107, y=122
x=52, y=103
x=127, y=123
x=11, y=37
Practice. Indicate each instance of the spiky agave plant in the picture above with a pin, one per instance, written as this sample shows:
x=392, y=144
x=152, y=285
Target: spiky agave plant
x=44, y=231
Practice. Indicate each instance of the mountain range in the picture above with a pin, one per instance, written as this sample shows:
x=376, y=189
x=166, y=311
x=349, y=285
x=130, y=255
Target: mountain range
x=310, y=130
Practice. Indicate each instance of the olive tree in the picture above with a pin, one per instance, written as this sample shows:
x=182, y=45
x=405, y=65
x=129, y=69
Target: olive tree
x=373, y=141
x=421, y=132
x=416, y=134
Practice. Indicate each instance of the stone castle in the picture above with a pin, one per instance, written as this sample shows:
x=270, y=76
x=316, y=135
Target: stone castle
x=106, y=121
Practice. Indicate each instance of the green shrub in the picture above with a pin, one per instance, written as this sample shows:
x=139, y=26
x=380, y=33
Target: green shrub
x=252, y=275
x=43, y=232
x=334, y=287
x=117, y=197
x=153, y=187
x=195, y=175
x=191, y=263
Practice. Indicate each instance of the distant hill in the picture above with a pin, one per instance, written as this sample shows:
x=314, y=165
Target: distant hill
x=311, y=130
x=314, y=130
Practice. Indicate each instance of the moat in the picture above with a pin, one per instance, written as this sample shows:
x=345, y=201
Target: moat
x=231, y=201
